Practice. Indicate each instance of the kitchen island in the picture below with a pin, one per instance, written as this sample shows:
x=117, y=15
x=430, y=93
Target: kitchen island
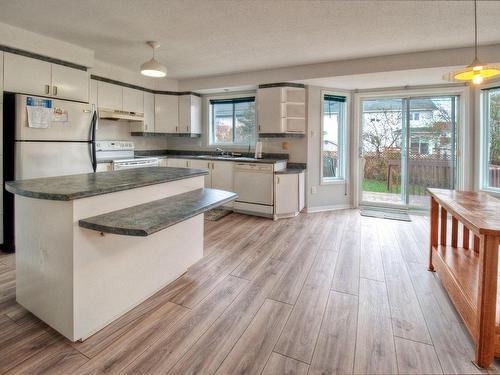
x=90, y=247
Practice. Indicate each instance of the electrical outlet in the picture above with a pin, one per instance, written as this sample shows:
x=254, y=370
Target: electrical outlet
x=314, y=189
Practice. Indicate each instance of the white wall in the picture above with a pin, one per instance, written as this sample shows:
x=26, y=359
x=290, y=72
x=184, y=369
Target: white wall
x=120, y=131
x=26, y=40
x=297, y=147
x=326, y=196
x=106, y=70
x=407, y=61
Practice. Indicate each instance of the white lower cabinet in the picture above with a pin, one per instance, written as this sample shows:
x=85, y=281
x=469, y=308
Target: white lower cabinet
x=220, y=173
x=203, y=164
x=289, y=194
x=177, y=163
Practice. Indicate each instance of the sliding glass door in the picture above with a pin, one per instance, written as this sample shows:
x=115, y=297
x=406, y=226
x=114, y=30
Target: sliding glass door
x=408, y=144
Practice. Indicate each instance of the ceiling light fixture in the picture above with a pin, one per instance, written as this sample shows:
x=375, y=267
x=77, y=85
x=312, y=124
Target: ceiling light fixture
x=153, y=68
x=476, y=72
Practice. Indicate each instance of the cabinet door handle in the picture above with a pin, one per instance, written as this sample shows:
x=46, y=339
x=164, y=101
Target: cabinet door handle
x=176, y=129
x=54, y=90
x=47, y=89
x=189, y=128
x=277, y=180
x=259, y=127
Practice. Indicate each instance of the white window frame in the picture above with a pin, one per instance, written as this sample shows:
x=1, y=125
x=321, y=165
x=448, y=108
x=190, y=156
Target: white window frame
x=233, y=95
x=343, y=139
x=484, y=130
x=464, y=148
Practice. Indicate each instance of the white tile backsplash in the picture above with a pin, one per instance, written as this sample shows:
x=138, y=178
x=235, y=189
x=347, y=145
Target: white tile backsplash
x=120, y=130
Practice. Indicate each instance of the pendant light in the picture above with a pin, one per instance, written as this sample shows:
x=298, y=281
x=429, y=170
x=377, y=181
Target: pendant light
x=153, y=68
x=476, y=72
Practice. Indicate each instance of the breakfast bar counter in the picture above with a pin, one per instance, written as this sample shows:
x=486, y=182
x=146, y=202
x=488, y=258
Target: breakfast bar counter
x=90, y=247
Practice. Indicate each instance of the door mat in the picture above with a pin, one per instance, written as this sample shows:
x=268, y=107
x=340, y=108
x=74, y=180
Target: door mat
x=217, y=214
x=401, y=216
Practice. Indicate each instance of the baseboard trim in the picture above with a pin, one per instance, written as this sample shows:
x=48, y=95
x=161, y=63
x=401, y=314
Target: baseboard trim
x=334, y=207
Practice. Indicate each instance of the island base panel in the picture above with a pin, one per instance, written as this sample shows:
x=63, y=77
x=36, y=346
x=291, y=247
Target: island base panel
x=78, y=281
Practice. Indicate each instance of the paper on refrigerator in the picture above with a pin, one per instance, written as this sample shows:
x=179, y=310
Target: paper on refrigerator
x=39, y=112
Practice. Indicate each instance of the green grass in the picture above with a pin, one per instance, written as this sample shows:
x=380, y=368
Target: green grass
x=378, y=186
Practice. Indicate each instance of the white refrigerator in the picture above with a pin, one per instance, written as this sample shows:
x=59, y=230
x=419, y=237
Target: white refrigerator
x=44, y=137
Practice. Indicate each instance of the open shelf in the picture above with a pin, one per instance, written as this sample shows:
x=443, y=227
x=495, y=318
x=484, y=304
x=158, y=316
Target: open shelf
x=470, y=276
x=460, y=266
x=463, y=265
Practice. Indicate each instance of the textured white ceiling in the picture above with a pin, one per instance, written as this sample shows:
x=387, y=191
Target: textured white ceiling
x=211, y=37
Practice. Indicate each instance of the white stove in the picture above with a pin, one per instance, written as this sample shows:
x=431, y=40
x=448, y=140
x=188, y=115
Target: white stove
x=121, y=155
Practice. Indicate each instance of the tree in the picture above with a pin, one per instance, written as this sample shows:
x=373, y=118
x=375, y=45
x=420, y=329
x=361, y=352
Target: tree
x=382, y=131
x=494, y=124
x=245, y=124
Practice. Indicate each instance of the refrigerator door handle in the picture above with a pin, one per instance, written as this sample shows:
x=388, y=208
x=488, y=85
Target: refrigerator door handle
x=93, y=125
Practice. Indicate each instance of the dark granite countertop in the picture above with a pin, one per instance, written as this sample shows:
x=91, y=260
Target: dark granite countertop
x=290, y=171
x=211, y=155
x=293, y=168
x=66, y=188
x=241, y=159
x=148, y=218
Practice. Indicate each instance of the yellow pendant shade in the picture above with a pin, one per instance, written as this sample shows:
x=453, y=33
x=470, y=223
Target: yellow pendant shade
x=468, y=74
x=476, y=72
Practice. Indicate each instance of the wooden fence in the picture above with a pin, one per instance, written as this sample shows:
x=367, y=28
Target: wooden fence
x=422, y=173
x=494, y=175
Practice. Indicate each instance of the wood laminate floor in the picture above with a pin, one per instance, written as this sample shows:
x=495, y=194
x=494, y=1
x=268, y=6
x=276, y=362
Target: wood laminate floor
x=322, y=293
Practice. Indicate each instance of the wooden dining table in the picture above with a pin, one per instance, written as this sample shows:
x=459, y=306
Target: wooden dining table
x=466, y=261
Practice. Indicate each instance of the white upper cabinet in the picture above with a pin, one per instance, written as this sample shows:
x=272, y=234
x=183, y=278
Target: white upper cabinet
x=149, y=112
x=148, y=106
x=1, y=74
x=27, y=76
x=269, y=110
x=32, y=76
x=109, y=96
x=93, y=92
x=133, y=100
x=190, y=114
x=166, y=113
x=281, y=110
x=69, y=83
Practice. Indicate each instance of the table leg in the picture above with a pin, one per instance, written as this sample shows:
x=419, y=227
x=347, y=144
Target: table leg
x=434, y=219
x=486, y=305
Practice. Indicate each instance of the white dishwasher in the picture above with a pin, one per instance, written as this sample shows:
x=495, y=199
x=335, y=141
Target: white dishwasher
x=254, y=184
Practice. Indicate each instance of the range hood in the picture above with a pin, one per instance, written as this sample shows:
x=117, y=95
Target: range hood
x=116, y=115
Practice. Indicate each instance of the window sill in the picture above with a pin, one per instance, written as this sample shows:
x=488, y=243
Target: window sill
x=231, y=146
x=493, y=192
x=340, y=181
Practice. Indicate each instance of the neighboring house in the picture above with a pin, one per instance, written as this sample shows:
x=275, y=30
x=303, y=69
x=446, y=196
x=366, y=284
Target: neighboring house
x=430, y=127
